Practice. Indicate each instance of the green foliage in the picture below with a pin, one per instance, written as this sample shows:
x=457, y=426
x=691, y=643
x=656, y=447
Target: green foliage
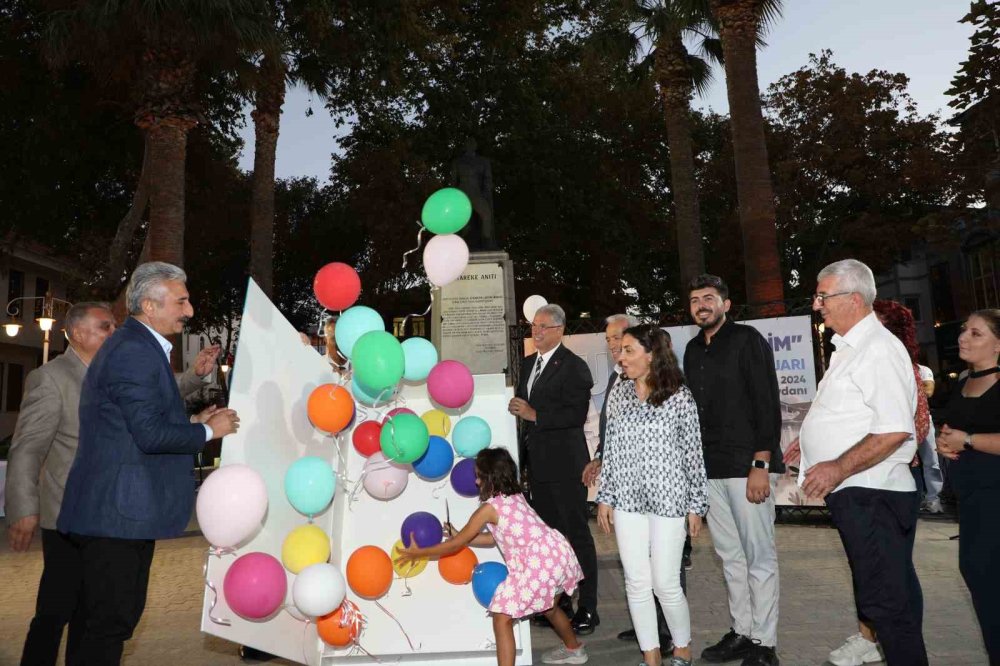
x=979, y=75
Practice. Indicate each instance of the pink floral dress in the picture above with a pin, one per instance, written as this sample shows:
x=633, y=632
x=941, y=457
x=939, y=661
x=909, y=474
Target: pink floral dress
x=540, y=560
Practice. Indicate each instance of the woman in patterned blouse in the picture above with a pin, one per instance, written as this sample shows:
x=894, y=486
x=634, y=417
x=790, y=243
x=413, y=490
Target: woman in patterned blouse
x=653, y=478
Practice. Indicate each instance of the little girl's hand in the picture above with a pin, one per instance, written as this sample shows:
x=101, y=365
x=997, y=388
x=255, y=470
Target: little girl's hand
x=694, y=524
x=448, y=531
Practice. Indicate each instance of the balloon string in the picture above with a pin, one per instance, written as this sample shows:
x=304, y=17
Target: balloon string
x=420, y=235
x=406, y=319
x=406, y=583
x=305, y=633
x=489, y=645
x=218, y=552
x=393, y=617
x=435, y=493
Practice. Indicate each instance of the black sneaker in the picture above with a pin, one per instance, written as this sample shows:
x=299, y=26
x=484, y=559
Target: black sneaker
x=686, y=561
x=730, y=648
x=761, y=656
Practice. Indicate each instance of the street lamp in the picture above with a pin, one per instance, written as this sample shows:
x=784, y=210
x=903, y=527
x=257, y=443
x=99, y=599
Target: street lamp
x=45, y=322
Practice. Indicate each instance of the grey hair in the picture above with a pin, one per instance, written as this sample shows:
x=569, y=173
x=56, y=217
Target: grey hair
x=629, y=320
x=79, y=311
x=147, y=282
x=852, y=276
x=557, y=313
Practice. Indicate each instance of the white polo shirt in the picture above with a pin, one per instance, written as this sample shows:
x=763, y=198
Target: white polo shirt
x=868, y=389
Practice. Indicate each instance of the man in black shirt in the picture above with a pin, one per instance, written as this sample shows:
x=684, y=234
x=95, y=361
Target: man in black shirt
x=730, y=370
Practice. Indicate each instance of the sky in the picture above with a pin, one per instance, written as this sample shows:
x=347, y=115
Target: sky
x=921, y=38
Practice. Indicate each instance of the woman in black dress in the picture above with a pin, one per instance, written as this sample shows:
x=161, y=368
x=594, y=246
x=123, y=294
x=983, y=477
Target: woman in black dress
x=971, y=438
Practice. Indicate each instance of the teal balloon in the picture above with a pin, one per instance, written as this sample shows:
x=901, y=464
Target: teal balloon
x=419, y=357
x=378, y=360
x=404, y=438
x=446, y=211
x=367, y=395
x=354, y=323
x=470, y=436
x=309, y=485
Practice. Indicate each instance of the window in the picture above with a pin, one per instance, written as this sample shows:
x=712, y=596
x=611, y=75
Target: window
x=983, y=275
x=913, y=304
x=15, y=386
x=15, y=289
x=41, y=289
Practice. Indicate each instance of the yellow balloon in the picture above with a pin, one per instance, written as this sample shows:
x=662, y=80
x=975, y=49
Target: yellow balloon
x=410, y=569
x=438, y=423
x=303, y=547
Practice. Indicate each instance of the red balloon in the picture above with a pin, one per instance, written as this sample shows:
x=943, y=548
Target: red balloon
x=337, y=286
x=366, y=438
x=397, y=410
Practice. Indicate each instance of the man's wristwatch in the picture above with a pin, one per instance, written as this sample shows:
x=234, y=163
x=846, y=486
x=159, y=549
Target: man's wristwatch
x=968, y=442
x=761, y=464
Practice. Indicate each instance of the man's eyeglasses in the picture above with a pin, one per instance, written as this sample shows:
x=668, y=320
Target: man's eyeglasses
x=542, y=327
x=822, y=297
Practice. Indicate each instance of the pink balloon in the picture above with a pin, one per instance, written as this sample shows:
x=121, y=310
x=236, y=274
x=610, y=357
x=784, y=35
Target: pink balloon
x=384, y=479
x=445, y=257
x=255, y=586
x=450, y=384
x=231, y=505
x=398, y=410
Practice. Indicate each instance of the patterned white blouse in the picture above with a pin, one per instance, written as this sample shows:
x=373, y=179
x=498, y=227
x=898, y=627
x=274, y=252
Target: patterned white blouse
x=653, y=461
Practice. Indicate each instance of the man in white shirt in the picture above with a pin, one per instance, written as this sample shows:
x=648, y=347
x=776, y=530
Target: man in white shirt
x=857, y=442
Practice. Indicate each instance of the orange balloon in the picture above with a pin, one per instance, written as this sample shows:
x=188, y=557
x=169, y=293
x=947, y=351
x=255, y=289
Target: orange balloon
x=369, y=572
x=332, y=633
x=330, y=407
x=457, y=568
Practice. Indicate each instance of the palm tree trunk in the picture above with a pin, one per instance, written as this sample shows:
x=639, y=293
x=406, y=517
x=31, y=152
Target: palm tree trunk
x=738, y=24
x=675, y=92
x=266, y=119
x=168, y=151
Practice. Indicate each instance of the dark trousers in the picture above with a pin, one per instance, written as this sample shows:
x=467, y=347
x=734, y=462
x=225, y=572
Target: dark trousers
x=115, y=576
x=978, y=554
x=57, y=604
x=877, y=528
x=563, y=506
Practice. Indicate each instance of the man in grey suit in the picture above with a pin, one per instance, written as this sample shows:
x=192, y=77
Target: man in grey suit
x=42, y=452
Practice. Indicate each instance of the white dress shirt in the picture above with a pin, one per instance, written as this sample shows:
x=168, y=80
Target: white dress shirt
x=167, y=348
x=868, y=389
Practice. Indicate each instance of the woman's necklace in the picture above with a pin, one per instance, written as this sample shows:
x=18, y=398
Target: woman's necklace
x=976, y=374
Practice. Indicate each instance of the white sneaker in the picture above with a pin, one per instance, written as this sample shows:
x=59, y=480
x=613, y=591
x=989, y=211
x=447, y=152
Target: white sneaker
x=563, y=655
x=934, y=506
x=856, y=651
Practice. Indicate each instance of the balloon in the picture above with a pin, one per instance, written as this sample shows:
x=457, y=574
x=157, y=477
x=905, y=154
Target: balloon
x=438, y=423
x=366, y=437
x=450, y=384
x=472, y=435
x=463, y=478
x=337, y=286
x=384, y=479
x=354, y=323
x=531, y=305
x=445, y=257
x=457, y=567
x=424, y=527
x=231, y=504
x=436, y=461
x=397, y=410
x=420, y=356
x=332, y=633
x=330, y=408
x=485, y=579
x=411, y=568
x=404, y=438
x=255, y=585
x=304, y=546
x=309, y=485
x=369, y=572
x=370, y=396
x=318, y=590
x=446, y=211
x=378, y=360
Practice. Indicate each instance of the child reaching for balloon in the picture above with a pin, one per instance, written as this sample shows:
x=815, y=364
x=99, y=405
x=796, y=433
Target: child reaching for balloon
x=540, y=561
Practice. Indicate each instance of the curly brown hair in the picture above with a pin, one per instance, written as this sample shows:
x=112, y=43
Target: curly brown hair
x=497, y=474
x=899, y=320
x=665, y=375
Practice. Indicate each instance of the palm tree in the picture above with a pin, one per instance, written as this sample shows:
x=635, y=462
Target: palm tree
x=740, y=23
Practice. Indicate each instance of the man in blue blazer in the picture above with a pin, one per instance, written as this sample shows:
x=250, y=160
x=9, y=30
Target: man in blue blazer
x=132, y=480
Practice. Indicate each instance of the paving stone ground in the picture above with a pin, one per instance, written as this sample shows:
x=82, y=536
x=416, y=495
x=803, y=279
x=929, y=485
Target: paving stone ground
x=816, y=602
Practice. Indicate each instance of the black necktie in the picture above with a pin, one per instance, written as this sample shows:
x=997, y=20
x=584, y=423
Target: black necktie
x=535, y=374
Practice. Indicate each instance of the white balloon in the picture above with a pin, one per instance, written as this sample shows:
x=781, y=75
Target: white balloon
x=318, y=590
x=531, y=305
x=445, y=257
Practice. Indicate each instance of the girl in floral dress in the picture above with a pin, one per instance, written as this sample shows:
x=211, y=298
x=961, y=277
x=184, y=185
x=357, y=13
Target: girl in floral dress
x=540, y=561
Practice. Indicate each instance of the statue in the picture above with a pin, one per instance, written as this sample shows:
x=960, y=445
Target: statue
x=473, y=174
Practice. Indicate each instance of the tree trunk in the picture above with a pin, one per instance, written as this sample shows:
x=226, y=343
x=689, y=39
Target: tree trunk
x=168, y=149
x=266, y=120
x=675, y=92
x=738, y=24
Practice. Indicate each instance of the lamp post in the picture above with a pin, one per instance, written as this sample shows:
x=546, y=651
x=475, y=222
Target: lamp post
x=45, y=322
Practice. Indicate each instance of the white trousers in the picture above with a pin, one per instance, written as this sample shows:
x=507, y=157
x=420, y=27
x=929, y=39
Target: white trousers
x=650, y=548
x=743, y=535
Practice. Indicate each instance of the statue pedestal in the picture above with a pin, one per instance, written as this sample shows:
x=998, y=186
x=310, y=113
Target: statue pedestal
x=470, y=317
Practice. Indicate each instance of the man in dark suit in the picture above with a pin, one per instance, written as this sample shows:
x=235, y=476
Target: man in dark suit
x=132, y=480
x=553, y=396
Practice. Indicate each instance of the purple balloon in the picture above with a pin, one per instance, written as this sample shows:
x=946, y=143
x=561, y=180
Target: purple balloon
x=425, y=528
x=463, y=478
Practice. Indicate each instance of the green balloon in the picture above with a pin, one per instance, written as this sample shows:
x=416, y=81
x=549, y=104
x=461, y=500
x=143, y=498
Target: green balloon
x=446, y=211
x=378, y=360
x=404, y=438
